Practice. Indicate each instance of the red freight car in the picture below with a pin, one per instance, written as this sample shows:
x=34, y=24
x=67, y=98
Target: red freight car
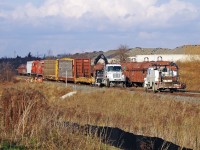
x=83, y=71
x=135, y=72
x=21, y=70
x=82, y=68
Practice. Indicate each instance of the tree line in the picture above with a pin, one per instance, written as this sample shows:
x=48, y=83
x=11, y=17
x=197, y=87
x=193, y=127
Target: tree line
x=15, y=62
x=8, y=66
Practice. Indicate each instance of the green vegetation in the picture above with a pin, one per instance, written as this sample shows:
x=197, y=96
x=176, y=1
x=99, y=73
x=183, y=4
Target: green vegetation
x=7, y=145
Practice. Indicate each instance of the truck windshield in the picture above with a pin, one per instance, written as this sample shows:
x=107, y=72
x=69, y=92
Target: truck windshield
x=114, y=68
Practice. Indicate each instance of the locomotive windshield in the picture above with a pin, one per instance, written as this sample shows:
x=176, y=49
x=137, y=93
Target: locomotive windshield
x=114, y=68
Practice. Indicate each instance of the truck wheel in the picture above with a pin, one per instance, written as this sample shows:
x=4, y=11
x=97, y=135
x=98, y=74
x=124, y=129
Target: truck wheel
x=146, y=89
x=107, y=83
x=124, y=84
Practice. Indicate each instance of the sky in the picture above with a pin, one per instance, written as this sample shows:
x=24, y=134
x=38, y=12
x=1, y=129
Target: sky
x=51, y=27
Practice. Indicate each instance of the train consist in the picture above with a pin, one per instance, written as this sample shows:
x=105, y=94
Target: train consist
x=72, y=70
x=155, y=75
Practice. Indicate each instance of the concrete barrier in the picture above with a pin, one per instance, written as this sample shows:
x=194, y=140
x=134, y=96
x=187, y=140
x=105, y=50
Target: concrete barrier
x=68, y=94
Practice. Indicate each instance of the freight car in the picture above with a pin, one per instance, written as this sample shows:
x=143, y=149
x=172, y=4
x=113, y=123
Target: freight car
x=135, y=72
x=22, y=69
x=65, y=69
x=50, y=70
x=83, y=71
x=29, y=67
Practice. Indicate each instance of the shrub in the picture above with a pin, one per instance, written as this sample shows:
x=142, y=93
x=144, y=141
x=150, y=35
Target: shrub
x=7, y=72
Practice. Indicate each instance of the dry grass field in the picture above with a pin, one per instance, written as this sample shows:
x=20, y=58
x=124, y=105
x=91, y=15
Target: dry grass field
x=146, y=114
x=142, y=114
x=192, y=49
x=189, y=74
x=189, y=71
x=39, y=125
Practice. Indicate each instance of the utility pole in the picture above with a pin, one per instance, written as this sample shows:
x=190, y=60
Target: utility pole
x=66, y=79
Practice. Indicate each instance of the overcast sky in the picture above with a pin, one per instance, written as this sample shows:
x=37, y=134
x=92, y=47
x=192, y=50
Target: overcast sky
x=70, y=26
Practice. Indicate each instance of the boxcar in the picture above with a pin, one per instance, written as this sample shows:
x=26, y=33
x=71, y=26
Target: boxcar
x=65, y=69
x=29, y=67
x=83, y=71
x=21, y=70
x=50, y=71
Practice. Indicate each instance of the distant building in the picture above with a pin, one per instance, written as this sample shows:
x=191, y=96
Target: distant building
x=164, y=57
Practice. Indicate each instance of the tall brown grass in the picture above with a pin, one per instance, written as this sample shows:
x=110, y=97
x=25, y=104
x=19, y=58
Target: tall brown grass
x=147, y=114
x=37, y=123
x=189, y=74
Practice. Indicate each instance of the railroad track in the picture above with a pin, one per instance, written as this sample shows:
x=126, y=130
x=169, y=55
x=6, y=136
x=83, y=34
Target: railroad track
x=89, y=88
x=177, y=93
x=189, y=96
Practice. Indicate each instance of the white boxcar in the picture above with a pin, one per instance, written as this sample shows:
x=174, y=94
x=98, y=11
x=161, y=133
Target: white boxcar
x=29, y=67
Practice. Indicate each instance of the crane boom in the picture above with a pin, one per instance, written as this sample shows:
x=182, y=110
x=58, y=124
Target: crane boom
x=101, y=56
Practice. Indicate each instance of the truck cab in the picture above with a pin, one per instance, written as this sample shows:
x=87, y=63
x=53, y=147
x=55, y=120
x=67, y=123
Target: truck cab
x=113, y=75
x=107, y=74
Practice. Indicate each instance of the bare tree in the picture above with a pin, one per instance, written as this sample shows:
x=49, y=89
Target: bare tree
x=122, y=53
x=7, y=72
